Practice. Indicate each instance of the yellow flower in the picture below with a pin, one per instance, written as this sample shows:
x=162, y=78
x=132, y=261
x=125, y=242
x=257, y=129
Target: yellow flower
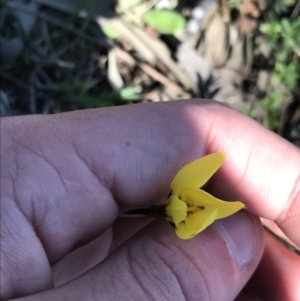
x=189, y=208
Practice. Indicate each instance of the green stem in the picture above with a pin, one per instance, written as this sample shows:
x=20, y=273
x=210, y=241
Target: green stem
x=154, y=211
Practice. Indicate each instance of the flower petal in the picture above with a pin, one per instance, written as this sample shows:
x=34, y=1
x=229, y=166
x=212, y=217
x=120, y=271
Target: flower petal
x=176, y=210
x=200, y=220
x=197, y=173
x=198, y=198
x=183, y=232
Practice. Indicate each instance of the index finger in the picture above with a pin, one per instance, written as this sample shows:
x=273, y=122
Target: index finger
x=262, y=169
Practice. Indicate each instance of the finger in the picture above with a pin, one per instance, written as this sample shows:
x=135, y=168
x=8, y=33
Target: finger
x=247, y=295
x=156, y=265
x=82, y=259
x=278, y=274
x=126, y=227
x=262, y=169
x=273, y=227
x=86, y=257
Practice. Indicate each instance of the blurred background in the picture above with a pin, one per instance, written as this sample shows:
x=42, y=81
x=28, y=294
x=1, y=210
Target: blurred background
x=63, y=55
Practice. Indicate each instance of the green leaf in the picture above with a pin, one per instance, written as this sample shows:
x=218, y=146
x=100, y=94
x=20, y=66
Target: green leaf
x=249, y=112
x=285, y=74
x=111, y=32
x=93, y=101
x=234, y=3
x=129, y=93
x=75, y=87
x=115, y=98
x=282, y=55
x=272, y=30
x=164, y=21
x=286, y=26
x=265, y=28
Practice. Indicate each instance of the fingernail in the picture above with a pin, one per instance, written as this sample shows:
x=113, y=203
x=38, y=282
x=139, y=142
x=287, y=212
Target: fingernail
x=239, y=233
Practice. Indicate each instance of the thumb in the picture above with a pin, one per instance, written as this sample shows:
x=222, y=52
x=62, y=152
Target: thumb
x=156, y=265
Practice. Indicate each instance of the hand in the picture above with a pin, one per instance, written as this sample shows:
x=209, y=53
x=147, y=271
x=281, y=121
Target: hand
x=65, y=177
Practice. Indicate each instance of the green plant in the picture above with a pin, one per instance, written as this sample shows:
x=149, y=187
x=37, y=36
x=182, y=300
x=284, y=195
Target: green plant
x=276, y=8
x=124, y=95
x=283, y=36
x=234, y=3
x=164, y=21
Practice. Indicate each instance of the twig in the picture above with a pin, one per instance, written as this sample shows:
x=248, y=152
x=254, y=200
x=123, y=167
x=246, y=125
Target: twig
x=162, y=79
x=32, y=91
x=152, y=94
x=14, y=80
x=288, y=244
x=296, y=10
x=19, y=83
x=57, y=22
x=226, y=11
x=151, y=72
x=150, y=49
x=44, y=83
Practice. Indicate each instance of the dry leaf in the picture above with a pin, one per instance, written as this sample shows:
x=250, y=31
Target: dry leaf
x=249, y=12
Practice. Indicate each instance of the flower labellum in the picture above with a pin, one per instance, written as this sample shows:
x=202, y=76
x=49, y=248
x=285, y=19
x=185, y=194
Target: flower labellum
x=189, y=208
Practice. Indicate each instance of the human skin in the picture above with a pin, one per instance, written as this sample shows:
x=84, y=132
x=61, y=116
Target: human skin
x=66, y=177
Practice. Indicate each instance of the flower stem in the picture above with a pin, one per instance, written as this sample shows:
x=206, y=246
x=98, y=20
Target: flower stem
x=154, y=211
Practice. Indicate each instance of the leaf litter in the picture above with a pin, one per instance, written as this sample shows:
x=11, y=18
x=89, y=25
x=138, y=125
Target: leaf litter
x=63, y=55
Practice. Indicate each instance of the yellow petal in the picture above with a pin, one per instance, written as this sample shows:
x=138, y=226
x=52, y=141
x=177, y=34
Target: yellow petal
x=200, y=220
x=197, y=173
x=204, y=201
x=183, y=232
x=176, y=209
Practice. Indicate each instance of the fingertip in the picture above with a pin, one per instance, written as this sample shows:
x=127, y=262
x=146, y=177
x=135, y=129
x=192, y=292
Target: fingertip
x=277, y=277
x=243, y=236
